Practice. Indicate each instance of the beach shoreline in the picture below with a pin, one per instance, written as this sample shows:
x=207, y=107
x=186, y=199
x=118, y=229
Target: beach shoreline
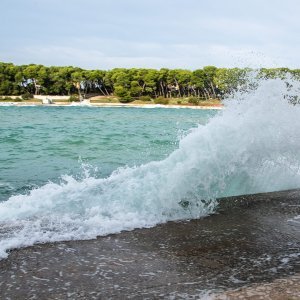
x=280, y=289
x=215, y=257
x=91, y=104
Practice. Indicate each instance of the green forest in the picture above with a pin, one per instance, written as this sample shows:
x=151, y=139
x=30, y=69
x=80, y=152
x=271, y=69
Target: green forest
x=136, y=83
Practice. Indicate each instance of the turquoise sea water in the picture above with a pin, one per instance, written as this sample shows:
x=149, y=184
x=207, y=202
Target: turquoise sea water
x=39, y=144
x=80, y=172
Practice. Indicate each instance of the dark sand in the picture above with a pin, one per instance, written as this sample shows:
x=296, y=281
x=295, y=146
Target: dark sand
x=250, y=249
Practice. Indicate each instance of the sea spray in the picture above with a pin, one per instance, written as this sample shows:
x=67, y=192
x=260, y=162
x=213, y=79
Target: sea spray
x=253, y=145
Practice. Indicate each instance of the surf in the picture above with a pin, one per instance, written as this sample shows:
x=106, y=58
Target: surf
x=251, y=146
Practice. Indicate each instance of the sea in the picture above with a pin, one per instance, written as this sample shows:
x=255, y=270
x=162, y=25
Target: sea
x=75, y=173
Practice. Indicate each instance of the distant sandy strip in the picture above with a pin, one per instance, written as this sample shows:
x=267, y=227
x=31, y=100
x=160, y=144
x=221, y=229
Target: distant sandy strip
x=109, y=105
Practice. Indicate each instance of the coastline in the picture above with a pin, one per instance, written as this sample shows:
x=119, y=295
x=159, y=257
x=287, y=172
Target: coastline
x=134, y=105
x=216, y=257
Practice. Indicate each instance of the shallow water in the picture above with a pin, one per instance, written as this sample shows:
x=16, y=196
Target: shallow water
x=251, y=239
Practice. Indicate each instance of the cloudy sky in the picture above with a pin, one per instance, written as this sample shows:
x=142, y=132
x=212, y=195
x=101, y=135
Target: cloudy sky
x=189, y=34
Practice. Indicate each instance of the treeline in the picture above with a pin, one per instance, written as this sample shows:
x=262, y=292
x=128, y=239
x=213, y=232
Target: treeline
x=206, y=83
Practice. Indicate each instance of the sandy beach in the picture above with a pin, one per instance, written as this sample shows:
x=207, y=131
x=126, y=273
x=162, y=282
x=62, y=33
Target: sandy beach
x=280, y=289
x=91, y=104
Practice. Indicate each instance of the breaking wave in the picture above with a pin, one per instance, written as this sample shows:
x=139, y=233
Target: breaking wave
x=253, y=145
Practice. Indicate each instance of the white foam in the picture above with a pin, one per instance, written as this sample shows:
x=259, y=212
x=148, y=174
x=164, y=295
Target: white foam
x=251, y=146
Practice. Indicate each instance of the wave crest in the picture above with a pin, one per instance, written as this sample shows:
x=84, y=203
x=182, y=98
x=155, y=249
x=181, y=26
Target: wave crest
x=251, y=146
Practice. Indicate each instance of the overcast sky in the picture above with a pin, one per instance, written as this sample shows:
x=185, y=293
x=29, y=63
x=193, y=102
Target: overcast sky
x=103, y=34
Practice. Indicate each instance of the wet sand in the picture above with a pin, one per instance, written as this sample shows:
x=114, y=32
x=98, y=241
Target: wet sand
x=279, y=289
x=251, y=245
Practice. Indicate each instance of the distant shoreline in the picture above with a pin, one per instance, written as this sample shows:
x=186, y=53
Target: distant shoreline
x=134, y=105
